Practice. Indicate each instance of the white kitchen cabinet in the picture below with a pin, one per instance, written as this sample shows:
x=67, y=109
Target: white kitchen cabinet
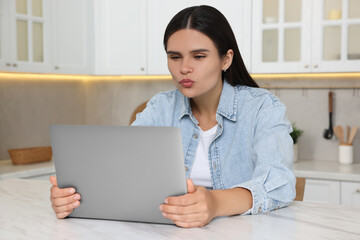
x=5, y=62
x=120, y=37
x=332, y=191
x=336, y=36
x=305, y=36
x=350, y=193
x=324, y=191
x=25, y=36
x=71, y=24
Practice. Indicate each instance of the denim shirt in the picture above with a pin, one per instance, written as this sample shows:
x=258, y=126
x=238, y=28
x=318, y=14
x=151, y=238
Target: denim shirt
x=252, y=148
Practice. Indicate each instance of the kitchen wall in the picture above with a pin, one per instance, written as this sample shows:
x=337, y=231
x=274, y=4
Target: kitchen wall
x=28, y=108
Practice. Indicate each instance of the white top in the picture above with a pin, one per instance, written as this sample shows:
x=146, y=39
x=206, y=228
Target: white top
x=200, y=172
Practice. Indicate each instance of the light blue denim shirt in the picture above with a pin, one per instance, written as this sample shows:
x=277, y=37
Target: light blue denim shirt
x=252, y=148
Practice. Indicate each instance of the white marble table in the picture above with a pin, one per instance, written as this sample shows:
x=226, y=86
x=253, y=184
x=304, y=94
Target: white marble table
x=25, y=213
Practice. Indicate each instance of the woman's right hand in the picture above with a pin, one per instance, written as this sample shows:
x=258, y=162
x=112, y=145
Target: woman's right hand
x=63, y=200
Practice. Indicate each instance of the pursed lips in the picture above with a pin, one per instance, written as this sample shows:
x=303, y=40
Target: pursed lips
x=186, y=82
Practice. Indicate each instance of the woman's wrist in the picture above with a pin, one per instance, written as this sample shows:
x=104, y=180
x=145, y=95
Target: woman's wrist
x=233, y=201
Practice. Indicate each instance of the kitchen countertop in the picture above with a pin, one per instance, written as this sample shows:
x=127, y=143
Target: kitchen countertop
x=306, y=169
x=26, y=214
x=327, y=170
x=9, y=170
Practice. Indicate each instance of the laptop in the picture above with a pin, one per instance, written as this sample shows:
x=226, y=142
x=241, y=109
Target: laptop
x=121, y=173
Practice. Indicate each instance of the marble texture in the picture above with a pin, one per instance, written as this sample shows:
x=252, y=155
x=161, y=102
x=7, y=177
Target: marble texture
x=327, y=170
x=25, y=213
x=9, y=170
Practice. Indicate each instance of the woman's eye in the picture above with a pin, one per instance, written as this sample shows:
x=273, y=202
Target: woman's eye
x=174, y=57
x=199, y=56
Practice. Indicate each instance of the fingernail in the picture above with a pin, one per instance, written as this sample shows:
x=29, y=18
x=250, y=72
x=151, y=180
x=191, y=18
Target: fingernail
x=71, y=191
x=77, y=197
x=166, y=201
x=76, y=204
x=161, y=207
x=164, y=214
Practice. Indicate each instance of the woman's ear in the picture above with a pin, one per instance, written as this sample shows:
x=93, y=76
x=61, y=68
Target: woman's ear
x=228, y=59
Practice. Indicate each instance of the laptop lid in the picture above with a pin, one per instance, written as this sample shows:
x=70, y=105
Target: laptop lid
x=122, y=173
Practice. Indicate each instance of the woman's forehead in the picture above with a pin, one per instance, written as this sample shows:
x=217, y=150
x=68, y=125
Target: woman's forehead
x=189, y=40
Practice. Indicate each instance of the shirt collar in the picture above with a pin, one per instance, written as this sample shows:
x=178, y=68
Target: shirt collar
x=227, y=104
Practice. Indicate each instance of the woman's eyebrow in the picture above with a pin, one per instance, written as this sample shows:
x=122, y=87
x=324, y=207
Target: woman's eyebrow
x=192, y=51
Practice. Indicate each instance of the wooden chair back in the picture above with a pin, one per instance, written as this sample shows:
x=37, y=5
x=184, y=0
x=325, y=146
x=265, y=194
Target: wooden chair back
x=300, y=188
x=138, y=109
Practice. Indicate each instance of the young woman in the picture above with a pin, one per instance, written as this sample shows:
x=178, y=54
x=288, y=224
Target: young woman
x=236, y=142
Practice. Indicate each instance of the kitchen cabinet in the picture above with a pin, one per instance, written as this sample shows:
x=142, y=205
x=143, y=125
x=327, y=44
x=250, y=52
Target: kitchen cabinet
x=120, y=37
x=71, y=24
x=305, y=36
x=25, y=36
x=324, y=191
x=350, y=193
x=236, y=12
x=330, y=191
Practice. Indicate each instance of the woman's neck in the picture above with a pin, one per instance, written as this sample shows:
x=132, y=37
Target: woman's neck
x=204, y=108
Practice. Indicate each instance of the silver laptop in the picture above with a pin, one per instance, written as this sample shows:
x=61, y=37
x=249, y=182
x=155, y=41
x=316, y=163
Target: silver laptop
x=122, y=173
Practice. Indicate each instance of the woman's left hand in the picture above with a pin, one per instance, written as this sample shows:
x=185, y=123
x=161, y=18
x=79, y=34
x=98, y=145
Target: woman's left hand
x=194, y=209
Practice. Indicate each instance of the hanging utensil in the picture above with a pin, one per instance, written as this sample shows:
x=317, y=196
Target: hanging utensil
x=328, y=133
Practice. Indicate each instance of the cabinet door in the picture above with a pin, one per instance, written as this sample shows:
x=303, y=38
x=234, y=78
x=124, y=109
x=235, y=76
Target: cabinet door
x=350, y=193
x=120, y=37
x=29, y=22
x=70, y=31
x=323, y=191
x=281, y=36
x=159, y=15
x=5, y=63
x=336, y=36
x=238, y=14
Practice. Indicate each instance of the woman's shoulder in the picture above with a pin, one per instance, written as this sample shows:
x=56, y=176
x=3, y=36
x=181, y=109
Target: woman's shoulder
x=164, y=98
x=261, y=96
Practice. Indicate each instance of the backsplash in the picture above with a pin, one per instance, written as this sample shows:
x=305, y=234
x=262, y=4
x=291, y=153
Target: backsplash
x=28, y=108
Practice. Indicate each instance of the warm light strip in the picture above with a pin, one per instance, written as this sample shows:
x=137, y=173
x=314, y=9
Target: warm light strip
x=306, y=75
x=64, y=77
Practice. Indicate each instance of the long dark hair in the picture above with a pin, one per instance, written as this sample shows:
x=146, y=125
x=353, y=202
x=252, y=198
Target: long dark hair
x=213, y=24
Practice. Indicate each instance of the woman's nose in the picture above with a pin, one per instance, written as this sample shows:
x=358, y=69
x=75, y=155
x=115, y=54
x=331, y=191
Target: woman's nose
x=185, y=69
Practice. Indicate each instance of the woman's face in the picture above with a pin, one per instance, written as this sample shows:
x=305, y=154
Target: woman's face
x=195, y=64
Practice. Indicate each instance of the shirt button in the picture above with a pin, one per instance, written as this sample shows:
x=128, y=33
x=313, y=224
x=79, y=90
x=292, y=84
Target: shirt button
x=186, y=169
x=214, y=165
x=195, y=136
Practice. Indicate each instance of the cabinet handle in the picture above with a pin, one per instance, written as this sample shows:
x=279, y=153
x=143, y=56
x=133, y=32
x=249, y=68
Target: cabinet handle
x=306, y=66
x=8, y=64
x=14, y=65
x=142, y=69
x=357, y=190
x=56, y=67
x=315, y=65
